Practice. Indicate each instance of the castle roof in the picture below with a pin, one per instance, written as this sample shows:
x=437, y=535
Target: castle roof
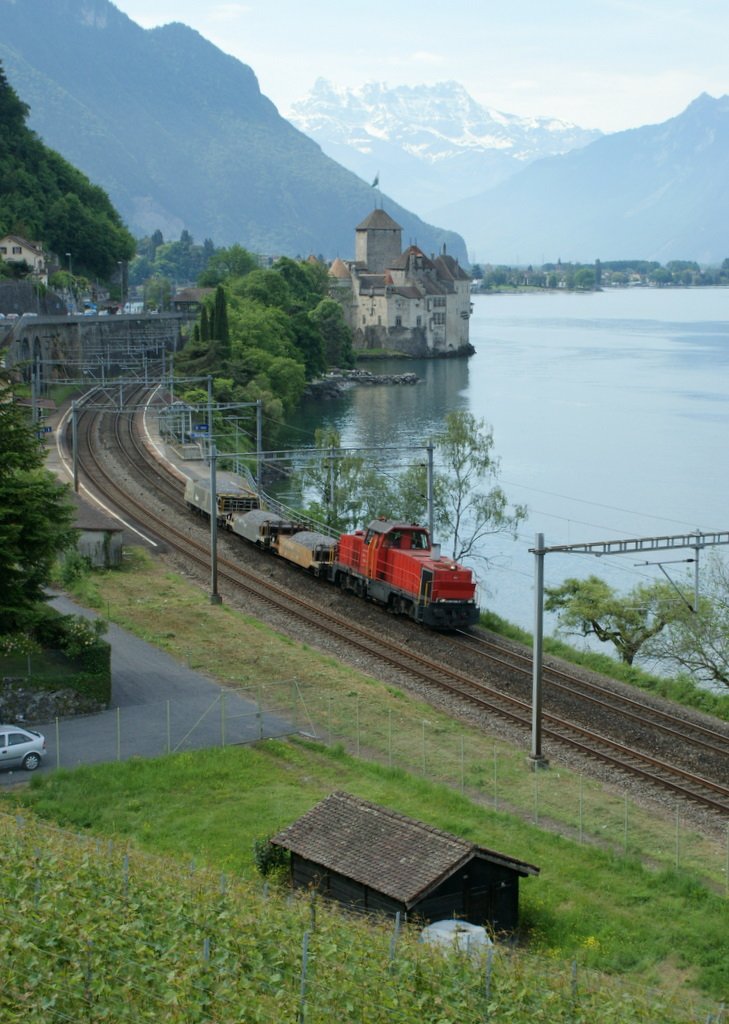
x=449, y=268
x=412, y=252
x=339, y=269
x=378, y=219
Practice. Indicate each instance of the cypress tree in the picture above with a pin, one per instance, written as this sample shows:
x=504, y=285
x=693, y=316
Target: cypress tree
x=221, y=321
x=204, y=324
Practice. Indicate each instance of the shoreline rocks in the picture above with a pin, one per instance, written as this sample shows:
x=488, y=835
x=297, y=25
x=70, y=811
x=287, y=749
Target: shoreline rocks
x=337, y=382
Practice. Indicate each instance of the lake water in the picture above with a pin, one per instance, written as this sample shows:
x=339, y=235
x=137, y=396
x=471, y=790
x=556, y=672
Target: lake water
x=610, y=413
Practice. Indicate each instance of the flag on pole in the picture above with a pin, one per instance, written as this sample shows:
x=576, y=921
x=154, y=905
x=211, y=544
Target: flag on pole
x=376, y=182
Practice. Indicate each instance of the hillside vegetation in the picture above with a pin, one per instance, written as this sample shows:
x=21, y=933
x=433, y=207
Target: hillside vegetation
x=146, y=939
x=44, y=198
x=197, y=936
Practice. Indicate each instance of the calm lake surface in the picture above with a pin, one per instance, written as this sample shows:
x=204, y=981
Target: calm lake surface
x=610, y=414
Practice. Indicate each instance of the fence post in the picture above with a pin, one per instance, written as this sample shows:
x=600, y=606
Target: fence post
x=489, y=971
x=582, y=785
x=356, y=720
x=463, y=764
x=625, y=826
x=58, y=745
x=304, y=964
x=394, y=937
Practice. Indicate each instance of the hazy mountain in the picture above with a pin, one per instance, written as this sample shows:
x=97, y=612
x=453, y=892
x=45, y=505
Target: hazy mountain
x=179, y=134
x=430, y=144
x=658, y=192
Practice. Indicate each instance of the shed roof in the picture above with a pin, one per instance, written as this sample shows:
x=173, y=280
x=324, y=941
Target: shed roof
x=386, y=851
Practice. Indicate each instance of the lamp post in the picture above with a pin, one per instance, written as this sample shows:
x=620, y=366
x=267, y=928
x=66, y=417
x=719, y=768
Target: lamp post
x=70, y=287
x=120, y=264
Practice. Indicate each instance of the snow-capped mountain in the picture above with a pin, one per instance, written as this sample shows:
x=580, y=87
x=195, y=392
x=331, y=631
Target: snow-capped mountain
x=429, y=144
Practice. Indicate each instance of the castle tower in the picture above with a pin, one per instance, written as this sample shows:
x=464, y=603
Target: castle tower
x=377, y=241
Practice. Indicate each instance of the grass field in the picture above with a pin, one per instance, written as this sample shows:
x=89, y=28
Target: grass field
x=613, y=903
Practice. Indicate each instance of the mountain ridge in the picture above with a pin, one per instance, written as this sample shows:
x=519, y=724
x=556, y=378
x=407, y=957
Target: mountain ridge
x=434, y=141
x=203, y=151
x=658, y=192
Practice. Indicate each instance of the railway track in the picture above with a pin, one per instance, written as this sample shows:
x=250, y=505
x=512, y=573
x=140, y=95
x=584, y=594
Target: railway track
x=702, y=776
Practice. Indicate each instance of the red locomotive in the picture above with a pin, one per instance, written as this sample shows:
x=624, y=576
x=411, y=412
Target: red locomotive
x=395, y=564
x=390, y=562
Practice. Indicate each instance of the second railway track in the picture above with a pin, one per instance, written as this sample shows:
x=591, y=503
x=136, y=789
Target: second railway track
x=635, y=738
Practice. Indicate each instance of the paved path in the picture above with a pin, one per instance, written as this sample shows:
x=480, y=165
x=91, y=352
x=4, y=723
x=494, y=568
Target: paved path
x=157, y=705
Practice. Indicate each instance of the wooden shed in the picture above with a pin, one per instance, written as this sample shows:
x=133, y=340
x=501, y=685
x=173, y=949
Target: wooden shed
x=376, y=860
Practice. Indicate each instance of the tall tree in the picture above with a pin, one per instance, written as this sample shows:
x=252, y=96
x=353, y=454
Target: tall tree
x=697, y=640
x=35, y=518
x=469, y=503
x=222, y=333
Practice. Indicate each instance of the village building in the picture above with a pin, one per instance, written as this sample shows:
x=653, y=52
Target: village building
x=402, y=301
x=14, y=249
x=190, y=300
x=374, y=860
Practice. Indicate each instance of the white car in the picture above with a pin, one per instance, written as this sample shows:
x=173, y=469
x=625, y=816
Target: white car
x=21, y=748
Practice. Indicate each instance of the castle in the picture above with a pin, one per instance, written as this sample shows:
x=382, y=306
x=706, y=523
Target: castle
x=402, y=301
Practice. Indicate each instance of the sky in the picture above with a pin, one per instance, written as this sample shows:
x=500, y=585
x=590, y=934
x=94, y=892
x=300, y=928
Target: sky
x=611, y=65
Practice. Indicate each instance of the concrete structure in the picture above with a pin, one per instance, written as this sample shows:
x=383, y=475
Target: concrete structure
x=373, y=859
x=99, y=537
x=402, y=301
x=62, y=347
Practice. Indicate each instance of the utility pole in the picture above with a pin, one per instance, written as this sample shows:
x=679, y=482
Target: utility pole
x=429, y=492
x=215, y=597
x=536, y=759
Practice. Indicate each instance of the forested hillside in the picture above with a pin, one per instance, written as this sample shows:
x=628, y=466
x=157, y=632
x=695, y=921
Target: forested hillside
x=44, y=198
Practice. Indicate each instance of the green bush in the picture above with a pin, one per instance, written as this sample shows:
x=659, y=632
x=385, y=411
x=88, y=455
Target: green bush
x=269, y=859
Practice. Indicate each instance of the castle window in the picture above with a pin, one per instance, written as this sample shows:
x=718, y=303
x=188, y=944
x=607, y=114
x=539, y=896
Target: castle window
x=398, y=321
x=419, y=321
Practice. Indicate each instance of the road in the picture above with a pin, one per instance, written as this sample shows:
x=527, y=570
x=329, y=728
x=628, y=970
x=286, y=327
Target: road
x=158, y=705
